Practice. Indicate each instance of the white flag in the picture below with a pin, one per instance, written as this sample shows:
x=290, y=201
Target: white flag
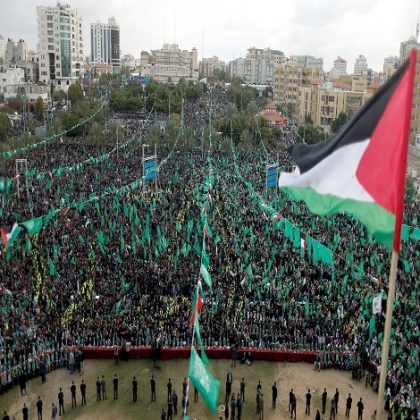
x=377, y=305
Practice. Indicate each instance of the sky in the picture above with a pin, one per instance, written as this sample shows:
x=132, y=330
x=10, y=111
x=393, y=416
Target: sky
x=322, y=28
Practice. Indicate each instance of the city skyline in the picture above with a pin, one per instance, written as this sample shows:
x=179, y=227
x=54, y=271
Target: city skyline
x=322, y=28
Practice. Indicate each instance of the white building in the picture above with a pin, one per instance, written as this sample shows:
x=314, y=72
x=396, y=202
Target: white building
x=307, y=61
x=406, y=47
x=105, y=42
x=12, y=76
x=165, y=72
x=390, y=62
x=15, y=51
x=360, y=65
x=258, y=71
x=2, y=48
x=60, y=45
x=340, y=66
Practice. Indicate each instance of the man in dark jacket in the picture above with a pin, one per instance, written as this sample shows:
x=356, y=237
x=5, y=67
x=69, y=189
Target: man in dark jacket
x=83, y=392
x=175, y=402
x=39, y=408
x=274, y=395
x=135, y=384
x=60, y=402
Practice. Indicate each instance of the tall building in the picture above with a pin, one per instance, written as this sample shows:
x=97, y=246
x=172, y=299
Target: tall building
x=390, y=62
x=306, y=61
x=406, y=47
x=2, y=48
x=60, y=45
x=170, y=62
x=16, y=51
x=360, y=65
x=415, y=113
x=258, y=71
x=105, y=42
x=340, y=65
x=208, y=65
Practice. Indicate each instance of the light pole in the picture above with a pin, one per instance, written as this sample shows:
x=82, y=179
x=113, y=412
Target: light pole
x=117, y=139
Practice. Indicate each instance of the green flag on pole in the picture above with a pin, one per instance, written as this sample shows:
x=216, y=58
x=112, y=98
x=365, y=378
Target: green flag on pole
x=206, y=385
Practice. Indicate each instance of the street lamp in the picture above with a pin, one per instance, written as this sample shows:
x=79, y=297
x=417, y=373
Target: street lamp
x=117, y=139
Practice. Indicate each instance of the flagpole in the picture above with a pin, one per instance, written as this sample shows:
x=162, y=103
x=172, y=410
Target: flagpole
x=387, y=333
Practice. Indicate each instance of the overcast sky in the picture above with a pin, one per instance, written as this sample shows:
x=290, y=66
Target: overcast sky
x=323, y=28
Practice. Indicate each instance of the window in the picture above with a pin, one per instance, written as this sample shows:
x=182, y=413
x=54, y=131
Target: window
x=330, y=98
x=50, y=25
x=51, y=47
x=50, y=33
x=49, y=17
x=51, y=40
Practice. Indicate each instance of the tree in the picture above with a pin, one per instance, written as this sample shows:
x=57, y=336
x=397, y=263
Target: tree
x=39, y=109
x=59, y=95
x=310, y=134
x=339, y=122
x=4, y=126
x=96, y=134
x=75, y=93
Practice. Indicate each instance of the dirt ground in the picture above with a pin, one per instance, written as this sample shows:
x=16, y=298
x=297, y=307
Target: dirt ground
x=299, y=376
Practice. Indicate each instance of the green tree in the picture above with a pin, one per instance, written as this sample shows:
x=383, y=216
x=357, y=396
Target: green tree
x=75, y=93
x=4, y=126
x=339, y=122
x=310, y=134
x=59, y=95
x=96, y=134
x=39, y=109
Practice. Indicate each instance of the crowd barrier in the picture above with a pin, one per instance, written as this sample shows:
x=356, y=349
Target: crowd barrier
x=212, y=353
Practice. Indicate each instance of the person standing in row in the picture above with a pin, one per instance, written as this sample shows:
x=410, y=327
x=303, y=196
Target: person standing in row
x=243, y=390
x=153, y=388
x=318, y=415
x=348, y=405
x=294, y=404
x=233, y=407
x=83, y=392
x=39, y=408
x=332, y=412
x=98, y=389
x=170, y=411
x=135, y=384
x=195, y=394
x=169, y=386
x=291, y=396
x=360, y=408
x=259, y=386
x=116, y=354
x=25, y=412
x=73, y=394
x=308, y=403
x=184, y=386
x=115, y=381
x=163, y=414
x=261, y=406
x=336, y=398
x=6, y=416
x=54, y=412
x=274, y=395
x=103, y=386
x=175, y=402
x=239, y=407
x=324, y=400
x=60, y=402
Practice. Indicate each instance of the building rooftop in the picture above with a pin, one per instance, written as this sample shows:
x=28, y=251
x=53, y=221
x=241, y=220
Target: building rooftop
x=340, y=60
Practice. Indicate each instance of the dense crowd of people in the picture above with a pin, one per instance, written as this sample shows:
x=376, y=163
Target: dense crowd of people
x=113, y=265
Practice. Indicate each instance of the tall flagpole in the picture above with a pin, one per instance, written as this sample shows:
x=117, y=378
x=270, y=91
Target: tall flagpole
x=387, y=332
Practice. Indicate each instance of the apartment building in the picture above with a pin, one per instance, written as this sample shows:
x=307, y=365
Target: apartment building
x=60, y=45
x=306, y=61
x=105, y=42
x=208, y=65
x=170, y=61
x=360, y=65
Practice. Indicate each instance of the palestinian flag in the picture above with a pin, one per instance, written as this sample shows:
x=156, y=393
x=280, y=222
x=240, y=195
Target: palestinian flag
x=197, y=303
x=9, y=235
x=5, y=291
x=361, y=170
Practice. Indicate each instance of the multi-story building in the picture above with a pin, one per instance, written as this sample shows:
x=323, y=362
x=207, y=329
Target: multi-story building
x=406, y=47
x=2, y=48
x=60, y=45
x=360, y=65
x=170, y=61
x=273, y=56
x=340, y=66
x=105, y=42
x=15, y=51
x=390, y=62
x=258, y=71
x=11, y=76
x=306, y=61
x=208, y=65
x=288, y=82
x=415, y=114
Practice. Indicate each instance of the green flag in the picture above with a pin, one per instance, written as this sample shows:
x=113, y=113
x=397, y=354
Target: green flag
x=206, y=277
x=206, y=385
x=33, y=226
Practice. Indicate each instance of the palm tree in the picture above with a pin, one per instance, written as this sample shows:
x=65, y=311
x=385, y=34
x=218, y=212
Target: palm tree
x=231, y=113
x=96, y=134
x=246, y=140
x=153, y=135
x=251, y=113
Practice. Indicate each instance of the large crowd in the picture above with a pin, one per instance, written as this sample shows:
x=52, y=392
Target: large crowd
x=123, y=267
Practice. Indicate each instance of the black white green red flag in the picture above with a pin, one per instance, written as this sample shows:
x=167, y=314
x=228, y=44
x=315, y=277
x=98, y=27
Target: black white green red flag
x=361, y=170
